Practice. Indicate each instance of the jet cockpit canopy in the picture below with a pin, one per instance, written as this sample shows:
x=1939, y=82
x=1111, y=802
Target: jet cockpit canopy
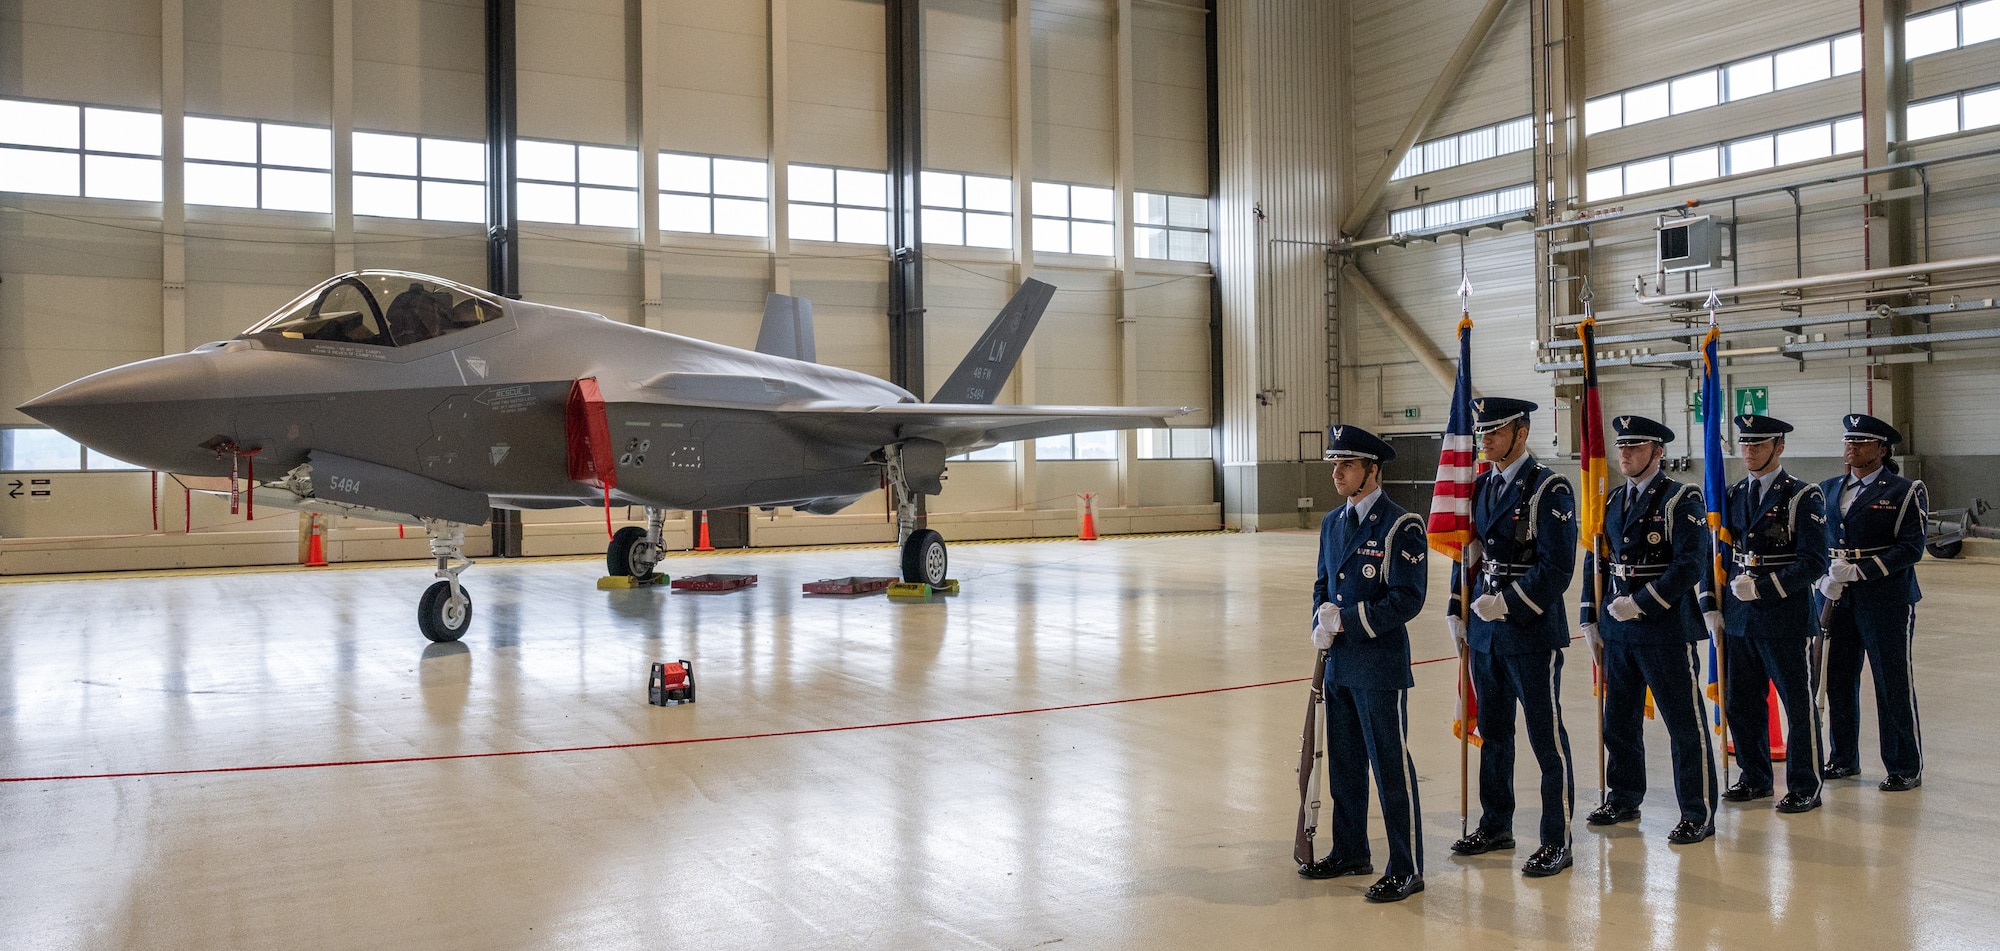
x=381, y=309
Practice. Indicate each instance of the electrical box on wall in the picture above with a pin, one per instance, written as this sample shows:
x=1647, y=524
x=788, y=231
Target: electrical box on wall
x=1688, y=244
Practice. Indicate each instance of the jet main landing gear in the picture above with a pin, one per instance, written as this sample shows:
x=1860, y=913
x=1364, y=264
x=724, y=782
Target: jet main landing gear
x=445, y=612
x=924, y=558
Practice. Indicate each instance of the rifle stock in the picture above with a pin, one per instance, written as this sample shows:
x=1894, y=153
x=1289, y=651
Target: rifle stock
x=1311, y=757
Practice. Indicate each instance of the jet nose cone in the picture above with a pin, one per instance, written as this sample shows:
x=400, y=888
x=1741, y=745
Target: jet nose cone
x=153, y=413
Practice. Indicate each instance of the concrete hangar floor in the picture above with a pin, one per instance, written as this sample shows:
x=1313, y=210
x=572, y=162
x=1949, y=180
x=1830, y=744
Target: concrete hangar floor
x=1091, y=746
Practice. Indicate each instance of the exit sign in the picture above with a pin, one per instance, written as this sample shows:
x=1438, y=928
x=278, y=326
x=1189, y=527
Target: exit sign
x=1753, y=399
x=1412, y=412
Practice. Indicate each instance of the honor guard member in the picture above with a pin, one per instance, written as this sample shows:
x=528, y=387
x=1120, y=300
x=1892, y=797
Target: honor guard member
x=1778, y=524
x=1372, y=581
x=1656, y=549
x=1876, y=520
x=1523, y=556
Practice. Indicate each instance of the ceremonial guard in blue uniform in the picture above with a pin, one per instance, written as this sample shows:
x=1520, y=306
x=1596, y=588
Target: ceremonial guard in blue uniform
x=1523, y=555
x=1657, y=547
x=1876, y=521
x=1372, y=580
x=1778, y=526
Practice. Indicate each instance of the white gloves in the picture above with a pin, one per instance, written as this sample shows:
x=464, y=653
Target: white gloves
x=1490, y=607
x=1322, y=638
x=1713, y=621
x=1328, y=616
x=1844, y=571
x=1623, y=608
x=1828, y=588
x=1456, y=625
x=1595, y=639
x=1743, y=587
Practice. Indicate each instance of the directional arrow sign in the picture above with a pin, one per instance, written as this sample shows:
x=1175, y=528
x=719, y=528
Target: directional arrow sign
x=14, y=489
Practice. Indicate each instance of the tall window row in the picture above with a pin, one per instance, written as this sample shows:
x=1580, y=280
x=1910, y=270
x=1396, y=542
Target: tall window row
x=1464, y=148
x=1183, y=442
x=91, y=152
x=1431, y=216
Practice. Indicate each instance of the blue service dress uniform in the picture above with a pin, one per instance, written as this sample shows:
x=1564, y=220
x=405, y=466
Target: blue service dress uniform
x=1528, y=533
x=1882, y=533
x=1781, y=544
x=1375, y=574
x=1657, y=548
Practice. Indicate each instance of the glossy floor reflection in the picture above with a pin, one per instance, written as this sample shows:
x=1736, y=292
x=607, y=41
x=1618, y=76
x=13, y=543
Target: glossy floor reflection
x=1157, y=823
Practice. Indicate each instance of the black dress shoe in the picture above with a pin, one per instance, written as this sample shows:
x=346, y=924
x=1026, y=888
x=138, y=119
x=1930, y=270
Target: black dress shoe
x=1686, y=832
x=1610, y=815
x=1328, y=868
x=1547, y=861
x=1793, y=802
x=1744, y=792
x=1394, y=888
x=1897, y=783
x=1830, y=771
x=1481, y=842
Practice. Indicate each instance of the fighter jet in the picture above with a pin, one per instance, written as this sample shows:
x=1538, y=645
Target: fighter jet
x=405, y=397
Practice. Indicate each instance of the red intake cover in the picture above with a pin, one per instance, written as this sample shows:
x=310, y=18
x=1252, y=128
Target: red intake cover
x=588, y=435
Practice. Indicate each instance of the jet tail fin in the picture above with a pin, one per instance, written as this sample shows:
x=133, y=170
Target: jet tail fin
x=788, y=328
x=978, y=379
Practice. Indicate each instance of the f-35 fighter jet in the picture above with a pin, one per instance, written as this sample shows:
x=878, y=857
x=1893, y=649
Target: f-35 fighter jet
x=405, y=397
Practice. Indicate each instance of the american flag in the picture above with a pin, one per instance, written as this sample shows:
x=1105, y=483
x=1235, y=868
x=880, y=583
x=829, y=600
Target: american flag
x=1450, y=525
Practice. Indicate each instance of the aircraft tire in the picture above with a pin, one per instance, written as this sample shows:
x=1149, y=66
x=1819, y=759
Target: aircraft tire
x=628, y=555
x=1946, y=550
x=438, y=619
x=924, y=559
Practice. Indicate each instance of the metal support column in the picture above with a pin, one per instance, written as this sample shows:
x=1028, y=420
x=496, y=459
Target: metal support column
x=503, y=239
x=904, y=58
x=1885, y=99
x=1555, y=29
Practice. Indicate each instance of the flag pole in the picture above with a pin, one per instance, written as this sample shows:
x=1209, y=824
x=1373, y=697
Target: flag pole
x=1712, y=475
x=1586, y=333
x=1464, y=601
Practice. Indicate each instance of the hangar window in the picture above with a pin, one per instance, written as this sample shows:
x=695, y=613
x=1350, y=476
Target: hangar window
x=972, y=210
x=1074, y=219
x=1180, y=442
x=713, y=194
x=33, y=449
x=1754, y=154
x=408, y=176
x=1463, y=148
x=1501, y=204
x=239, y=163
x=51, y=148
x=1170, y=227
x=1077, y=446
x=574, y=184
x=838, y=204
x=1003, y=452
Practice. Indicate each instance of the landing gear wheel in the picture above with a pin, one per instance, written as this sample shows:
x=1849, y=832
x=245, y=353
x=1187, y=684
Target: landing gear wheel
x=924, y=558
x=1946, y=550
x=441, y=620
x=631, y=555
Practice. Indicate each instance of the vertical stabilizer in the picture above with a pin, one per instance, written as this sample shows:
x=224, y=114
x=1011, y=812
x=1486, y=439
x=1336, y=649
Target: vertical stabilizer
x=985, y=370
x=788, y=328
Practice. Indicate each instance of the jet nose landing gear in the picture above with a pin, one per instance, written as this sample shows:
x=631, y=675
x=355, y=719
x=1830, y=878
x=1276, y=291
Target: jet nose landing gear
x=915, y=469
x=445, y=611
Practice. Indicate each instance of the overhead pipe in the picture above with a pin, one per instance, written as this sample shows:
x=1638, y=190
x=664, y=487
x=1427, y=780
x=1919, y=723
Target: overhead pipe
x=1801, y=283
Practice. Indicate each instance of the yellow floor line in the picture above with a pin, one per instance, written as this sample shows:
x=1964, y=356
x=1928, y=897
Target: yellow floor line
x=152, y=573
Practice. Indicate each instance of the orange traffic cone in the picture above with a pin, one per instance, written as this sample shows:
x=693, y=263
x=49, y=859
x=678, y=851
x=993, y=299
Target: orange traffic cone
x=1089, y=531
x=315, y=548
x=702, y=539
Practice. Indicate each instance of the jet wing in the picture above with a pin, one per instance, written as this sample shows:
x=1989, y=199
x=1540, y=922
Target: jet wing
x=963, y=426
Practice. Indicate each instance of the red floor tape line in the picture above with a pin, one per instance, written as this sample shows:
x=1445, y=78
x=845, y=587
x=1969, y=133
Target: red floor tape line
x=218, y=770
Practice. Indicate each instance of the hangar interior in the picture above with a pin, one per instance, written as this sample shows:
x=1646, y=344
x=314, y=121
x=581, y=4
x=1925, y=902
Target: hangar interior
x=1261, y=209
